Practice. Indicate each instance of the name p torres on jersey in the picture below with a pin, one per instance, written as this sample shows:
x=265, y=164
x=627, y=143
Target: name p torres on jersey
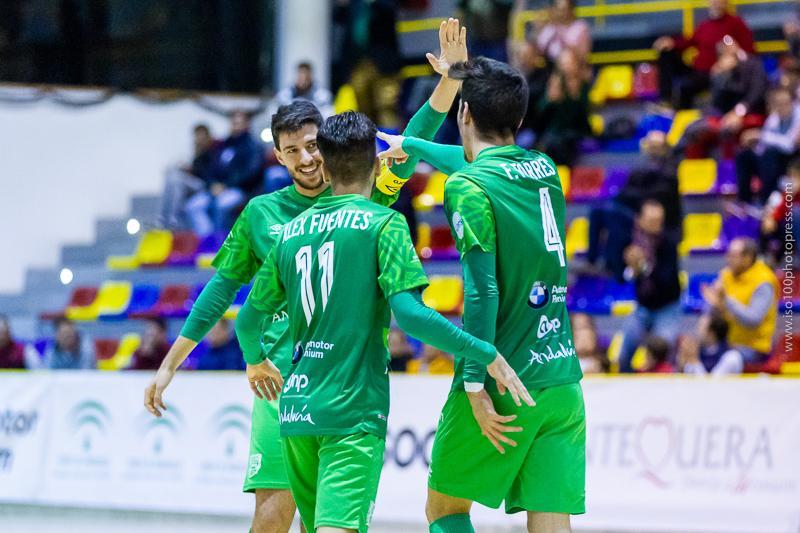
x=537, y=168
x=326, y=222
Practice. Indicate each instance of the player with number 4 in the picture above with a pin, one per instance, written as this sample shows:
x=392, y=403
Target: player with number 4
x=506, y=210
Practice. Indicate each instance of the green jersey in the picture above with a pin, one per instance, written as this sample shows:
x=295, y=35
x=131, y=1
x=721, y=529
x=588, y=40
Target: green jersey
x=248, y=244
x=509, y=202
x=336, y=265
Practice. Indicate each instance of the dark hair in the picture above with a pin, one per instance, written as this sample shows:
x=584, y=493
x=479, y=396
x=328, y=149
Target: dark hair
x=347, y=145
x=306, y=65
x=158, y=321
x=749, y=247
x=202, y=127
x=497, y=94
x=658, y=348
x=292, y=117
x=718, y=326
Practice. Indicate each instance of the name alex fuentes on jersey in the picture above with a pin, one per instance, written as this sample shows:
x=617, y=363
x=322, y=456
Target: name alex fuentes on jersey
x=327, y=222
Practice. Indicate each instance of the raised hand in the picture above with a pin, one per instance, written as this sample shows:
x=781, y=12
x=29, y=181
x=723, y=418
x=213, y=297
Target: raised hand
x=394, y=153
x=452, y=47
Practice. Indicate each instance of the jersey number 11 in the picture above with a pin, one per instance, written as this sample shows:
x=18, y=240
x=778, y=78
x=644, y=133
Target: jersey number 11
x=303, y=260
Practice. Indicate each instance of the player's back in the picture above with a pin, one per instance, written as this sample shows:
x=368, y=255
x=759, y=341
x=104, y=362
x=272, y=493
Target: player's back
x=328, y=264
x=529, y=209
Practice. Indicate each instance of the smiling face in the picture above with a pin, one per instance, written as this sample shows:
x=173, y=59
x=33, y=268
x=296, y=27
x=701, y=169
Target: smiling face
x=300, y=155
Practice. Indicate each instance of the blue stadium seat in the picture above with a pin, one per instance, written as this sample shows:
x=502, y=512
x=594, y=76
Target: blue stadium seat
x=692, y=298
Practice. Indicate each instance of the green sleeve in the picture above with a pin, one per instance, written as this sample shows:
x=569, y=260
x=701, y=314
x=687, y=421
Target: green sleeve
x=214, y=300
x=266, y=296
x=399, y=267
x=481, y=303
x=469, y=212
x=445, y=158
x=425, y=324
x=236, y=259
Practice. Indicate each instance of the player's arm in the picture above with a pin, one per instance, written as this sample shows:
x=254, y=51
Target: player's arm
x=427, y=121
x=266, y=296
x=236, y=263
x=446, y=158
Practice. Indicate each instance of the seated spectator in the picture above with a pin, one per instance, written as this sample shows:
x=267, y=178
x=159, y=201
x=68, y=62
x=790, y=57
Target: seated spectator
x=679, y=83
x=526, y=57
x=564, y=31
x=779, y=215
x=237, y=173
x=746, y=294
x=652, y=265
x=657, y=356
x=12, y=353
x=610, y=224
x=709, y=353
x=400, y=350
x=592, y=358
x=766, y=153
x=154, y=346
x=563, y=112
x=69, y=350
x=306, y=87
x=182, y=182
x=223, y=351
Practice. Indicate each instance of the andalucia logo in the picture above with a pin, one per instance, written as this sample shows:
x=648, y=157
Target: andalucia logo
x=231, y=424
x=158, y=431
x=89, y=420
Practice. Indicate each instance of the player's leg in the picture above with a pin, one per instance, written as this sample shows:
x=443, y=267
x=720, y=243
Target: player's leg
x=466, y=467
x=551, y=483
x=349, y=471
x=266, y=472
x=302, y=454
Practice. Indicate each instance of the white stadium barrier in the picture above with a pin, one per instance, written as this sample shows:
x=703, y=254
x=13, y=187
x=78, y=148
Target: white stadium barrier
x=664, y=454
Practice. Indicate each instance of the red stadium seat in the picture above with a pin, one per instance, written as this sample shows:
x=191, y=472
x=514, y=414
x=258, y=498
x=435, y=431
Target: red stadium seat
x=105, y=348
x=81, y=297
x=645, y=81
x=586, y=183
x=184, y=249
x=171, y=303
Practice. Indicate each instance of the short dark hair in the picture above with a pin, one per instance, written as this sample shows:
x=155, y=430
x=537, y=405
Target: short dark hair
x=306, y=65
x=161, y=323
x=658, y=348
x=347, y=144
x=202, y=127
x=292, y=117
x=496, y=92
x=718, y=326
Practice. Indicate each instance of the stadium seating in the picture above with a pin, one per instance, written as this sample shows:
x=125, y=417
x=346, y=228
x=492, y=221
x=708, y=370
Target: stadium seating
x=740, y=226
x=577, y=237
x=184, y=249
x=171, y=303
x=693, y=301
x=566, y=179
x=208, y=248
x=128, y=344
x=433, y=195
x=697, y=176
x=682, y=120
x=143, y=298
x=81, y=297
x=442, y=245
x=111, y=301
x=424, y=240
x=613, y=82
x=616, y=177
x=153, y=250
x=105, y=349
x=597, y=123
x=645, y=82
x=444, y=294
x=238, y=302
x=586, y=184
x=701, y=233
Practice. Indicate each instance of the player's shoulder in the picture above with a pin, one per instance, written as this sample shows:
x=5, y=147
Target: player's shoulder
x=463, y=182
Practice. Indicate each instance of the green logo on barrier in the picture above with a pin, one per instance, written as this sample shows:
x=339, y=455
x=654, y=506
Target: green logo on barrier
x=228, y=422
x=163, y=428
x=89, y=418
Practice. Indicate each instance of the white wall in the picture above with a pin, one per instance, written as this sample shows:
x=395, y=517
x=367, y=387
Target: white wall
x=303, y=34
x=63, y=167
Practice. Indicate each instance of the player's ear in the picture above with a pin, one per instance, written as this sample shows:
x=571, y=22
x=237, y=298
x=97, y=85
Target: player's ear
x=466, y=117
x=325, y=176
x=377, y=167
x=278, y=155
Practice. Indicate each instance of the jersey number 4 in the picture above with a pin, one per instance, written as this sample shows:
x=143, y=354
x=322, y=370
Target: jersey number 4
x=303, y=260
x=552, y=240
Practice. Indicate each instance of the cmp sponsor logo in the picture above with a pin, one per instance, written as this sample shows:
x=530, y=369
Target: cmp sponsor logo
x=89, y=420
x=547, y=326
x=563, y=352
x=291, y=416
x=296, y=382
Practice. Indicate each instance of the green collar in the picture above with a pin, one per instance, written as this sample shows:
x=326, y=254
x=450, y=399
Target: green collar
x=340, y=199
x=497, y=150
x=306, y=200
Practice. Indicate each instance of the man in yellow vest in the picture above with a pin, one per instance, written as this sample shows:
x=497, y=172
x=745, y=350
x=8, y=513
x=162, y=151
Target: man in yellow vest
x=746, y=293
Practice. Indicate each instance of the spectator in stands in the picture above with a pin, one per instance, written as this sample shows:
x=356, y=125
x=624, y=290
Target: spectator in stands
x=679, y=83
x=709, y=352
x=69, y=351
x=657, y=356
x=182, y=182
x=738, y=84
x=592, y=357
x=746, y=293
x=306, y=87
x=780, y=215
x=766, y=153
x=791, y=30
x=488, y=23
x=526, y=57
x=223, y=351
x=564, y=31
x=652, y=265
x=610, y=224
x=154, y=346
x=237, y=172
x=563, y=112
x=400, y=350
x=12, y=353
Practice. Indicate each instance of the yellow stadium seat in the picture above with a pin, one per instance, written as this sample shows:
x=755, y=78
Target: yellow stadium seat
x=441, y=366
x=597, y=123
x=681, y=121
x=153, y=249
x=345, y=99
x=791, y=368
x=424, y=240
x=577, y=237
x=433, y=193
x=444, y=294
x=623, y=307
x=614, y=348
x=597, y=94
x=204, y=260
x=697, y=176
x=128, y=344
x=618, y=81
x=565, y=176
x=701, y=231
x=639, y=360
x=112, y=299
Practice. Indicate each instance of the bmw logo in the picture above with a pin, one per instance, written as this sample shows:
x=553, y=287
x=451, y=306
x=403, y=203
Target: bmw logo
x=298, y=353
x=539, y=296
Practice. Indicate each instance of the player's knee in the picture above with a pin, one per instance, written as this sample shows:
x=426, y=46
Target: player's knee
x=439, y=505
x=548, y=523
x=274, y=511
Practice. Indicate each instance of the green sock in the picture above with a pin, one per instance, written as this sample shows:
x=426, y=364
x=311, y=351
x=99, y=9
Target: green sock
x=454, y=523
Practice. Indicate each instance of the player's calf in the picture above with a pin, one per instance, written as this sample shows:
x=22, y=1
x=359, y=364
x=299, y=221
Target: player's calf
x=274, y=511
x=548, y=523
x=447, y=514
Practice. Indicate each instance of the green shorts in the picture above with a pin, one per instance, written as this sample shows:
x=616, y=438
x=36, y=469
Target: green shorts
x=266, y=468
x=334, y=478
x=546, y=472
